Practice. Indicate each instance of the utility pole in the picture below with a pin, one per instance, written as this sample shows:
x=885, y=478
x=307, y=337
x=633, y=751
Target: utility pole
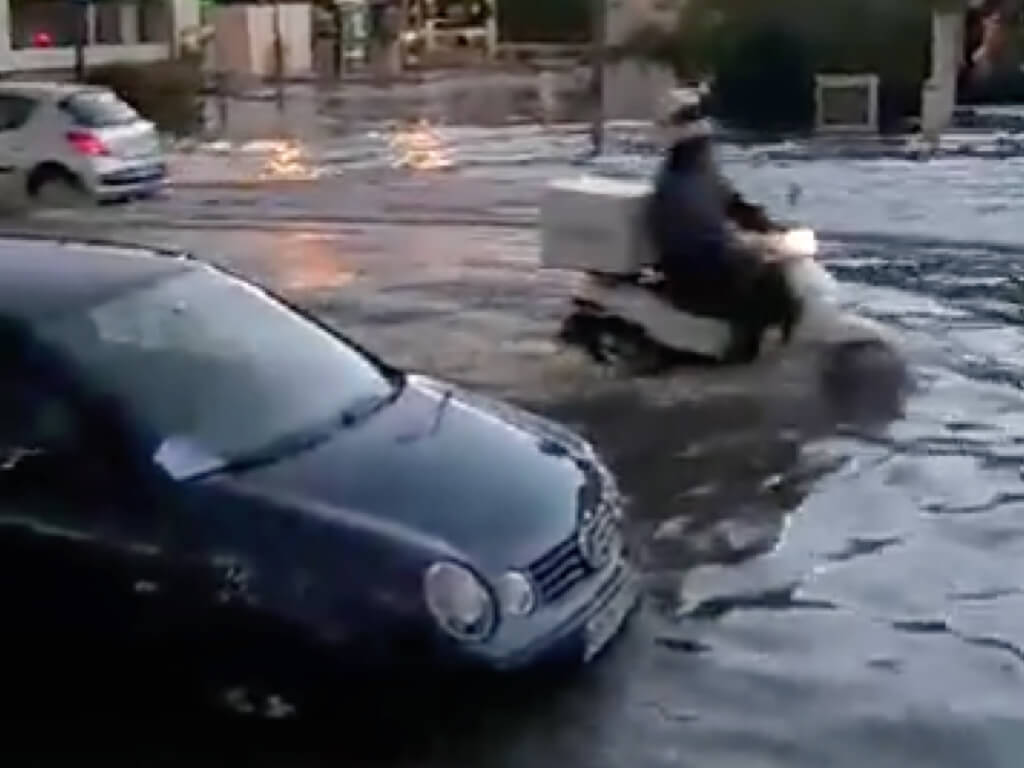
x=598, y=37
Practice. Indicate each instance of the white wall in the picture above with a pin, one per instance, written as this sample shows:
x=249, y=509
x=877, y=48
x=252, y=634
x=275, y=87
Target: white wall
x=939, y=93
x=28, y=59
x=297, y=32
x=231, y=39
x=244, y=39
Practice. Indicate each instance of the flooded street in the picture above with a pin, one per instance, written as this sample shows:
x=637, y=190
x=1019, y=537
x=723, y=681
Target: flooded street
x=828, y=582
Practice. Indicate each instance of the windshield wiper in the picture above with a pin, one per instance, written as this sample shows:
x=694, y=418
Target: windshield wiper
x=365, y=407
x=275, y=451
x=304, y=440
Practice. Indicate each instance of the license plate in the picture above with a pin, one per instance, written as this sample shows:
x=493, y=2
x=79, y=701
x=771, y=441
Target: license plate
x=605, y=624
x=146, y=172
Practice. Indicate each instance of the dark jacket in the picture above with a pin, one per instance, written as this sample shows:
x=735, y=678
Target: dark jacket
x=691, y=211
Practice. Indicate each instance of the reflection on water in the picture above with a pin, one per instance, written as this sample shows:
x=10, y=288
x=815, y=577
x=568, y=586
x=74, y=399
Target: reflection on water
x=419, y=146
x=831, y=581
x=288, y=159
x=309, y=263
x=833, y=576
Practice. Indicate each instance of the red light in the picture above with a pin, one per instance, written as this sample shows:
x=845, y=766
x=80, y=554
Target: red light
x=87, y=144
x=42, y=40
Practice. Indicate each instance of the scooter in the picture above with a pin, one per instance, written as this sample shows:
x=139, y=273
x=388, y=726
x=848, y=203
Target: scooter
x=622, y=312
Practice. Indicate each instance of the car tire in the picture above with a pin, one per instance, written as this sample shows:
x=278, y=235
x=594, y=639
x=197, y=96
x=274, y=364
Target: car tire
x=54, y=186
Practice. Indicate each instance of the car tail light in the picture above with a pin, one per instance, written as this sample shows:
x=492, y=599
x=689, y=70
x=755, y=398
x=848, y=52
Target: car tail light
x=86, y=143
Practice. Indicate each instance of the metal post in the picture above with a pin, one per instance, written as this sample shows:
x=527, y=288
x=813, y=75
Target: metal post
x=81, y=32
x=338, y=63
x=598, y=11
x=222, y=101
x=279, y=56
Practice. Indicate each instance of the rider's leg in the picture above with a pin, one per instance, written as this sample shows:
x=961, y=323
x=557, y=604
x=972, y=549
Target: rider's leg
x=775, y=302
x=746, y=311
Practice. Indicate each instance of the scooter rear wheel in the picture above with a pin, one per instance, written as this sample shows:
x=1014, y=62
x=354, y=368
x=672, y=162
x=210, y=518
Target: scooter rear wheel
x=614, y=343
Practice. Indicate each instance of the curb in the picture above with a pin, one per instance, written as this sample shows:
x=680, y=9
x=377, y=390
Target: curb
x=281, y=223
x=236, y=183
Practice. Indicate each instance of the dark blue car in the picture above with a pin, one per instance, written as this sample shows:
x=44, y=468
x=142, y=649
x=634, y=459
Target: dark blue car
x=190, y=468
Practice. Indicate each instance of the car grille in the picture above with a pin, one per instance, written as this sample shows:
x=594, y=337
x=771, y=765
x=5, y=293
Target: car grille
x=603, y=536
x=562, y=568
x=559, y=570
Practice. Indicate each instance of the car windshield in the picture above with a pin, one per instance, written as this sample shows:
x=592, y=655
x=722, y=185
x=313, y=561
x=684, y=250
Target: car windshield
x=217, y=365
x=99, y=109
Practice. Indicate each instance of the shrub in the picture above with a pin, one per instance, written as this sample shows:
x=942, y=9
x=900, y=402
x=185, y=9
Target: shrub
x=766, y=82
x=167, y=92
x=762, y=56
x=544, y=21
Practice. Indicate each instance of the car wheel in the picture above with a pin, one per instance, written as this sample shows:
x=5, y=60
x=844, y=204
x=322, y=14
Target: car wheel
x=56, y=187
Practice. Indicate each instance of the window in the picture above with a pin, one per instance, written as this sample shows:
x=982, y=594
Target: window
x=107, y=21
x=55, y=21
x=15, y=112
x=98, y=109
x=33, y=416
x=154, y=21
x=209, y=361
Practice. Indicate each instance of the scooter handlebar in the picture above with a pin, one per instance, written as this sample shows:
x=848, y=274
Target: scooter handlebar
x=798, y=243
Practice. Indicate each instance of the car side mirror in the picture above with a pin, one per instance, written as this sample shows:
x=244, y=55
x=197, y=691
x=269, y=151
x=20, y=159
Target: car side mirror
x=14, y=458
x=26, y=467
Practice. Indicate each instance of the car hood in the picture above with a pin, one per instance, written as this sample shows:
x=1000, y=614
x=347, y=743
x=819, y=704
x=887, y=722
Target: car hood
x=498, y=484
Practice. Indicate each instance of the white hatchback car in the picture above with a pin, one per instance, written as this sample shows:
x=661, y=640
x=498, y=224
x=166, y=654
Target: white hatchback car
x=59, y=141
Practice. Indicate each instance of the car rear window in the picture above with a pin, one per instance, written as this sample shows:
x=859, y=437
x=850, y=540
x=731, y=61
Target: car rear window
x=98, y=109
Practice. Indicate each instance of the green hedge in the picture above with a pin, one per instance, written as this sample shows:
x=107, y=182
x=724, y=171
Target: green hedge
x=544, y=21
x=762, y=56
x=167, y=92
x=766, y=82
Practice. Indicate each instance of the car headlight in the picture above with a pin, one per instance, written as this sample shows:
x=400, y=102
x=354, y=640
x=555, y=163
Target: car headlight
x=516, y=594
x=459, y=601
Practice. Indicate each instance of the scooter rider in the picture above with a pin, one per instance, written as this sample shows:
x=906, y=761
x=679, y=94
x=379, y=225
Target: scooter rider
x=705, y=265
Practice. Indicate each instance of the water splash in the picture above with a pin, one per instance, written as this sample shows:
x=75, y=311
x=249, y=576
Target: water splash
x=419, y=146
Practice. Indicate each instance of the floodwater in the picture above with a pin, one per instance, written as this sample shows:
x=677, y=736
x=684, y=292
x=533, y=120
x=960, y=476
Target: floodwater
x=826, y=585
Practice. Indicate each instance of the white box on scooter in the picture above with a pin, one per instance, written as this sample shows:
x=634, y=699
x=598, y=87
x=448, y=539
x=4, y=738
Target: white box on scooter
x=594, y=224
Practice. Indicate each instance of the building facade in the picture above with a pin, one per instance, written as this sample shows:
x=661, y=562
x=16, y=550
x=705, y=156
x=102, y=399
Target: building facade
x=40, y=35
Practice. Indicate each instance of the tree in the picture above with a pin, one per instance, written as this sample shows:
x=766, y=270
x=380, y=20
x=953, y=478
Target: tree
x=771, y=50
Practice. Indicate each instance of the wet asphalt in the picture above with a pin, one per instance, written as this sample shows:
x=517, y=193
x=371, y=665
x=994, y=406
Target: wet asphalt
x=826, y=578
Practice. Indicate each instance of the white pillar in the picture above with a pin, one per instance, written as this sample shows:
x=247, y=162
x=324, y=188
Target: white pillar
x=492, y=28
x=938, y=100
x=6, y=60
x=429, y=38
x=129, y=18
x=633, y=88
x=90, y=24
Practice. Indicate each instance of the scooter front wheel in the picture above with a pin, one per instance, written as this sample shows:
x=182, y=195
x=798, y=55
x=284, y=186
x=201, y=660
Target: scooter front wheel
x=612, y=342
